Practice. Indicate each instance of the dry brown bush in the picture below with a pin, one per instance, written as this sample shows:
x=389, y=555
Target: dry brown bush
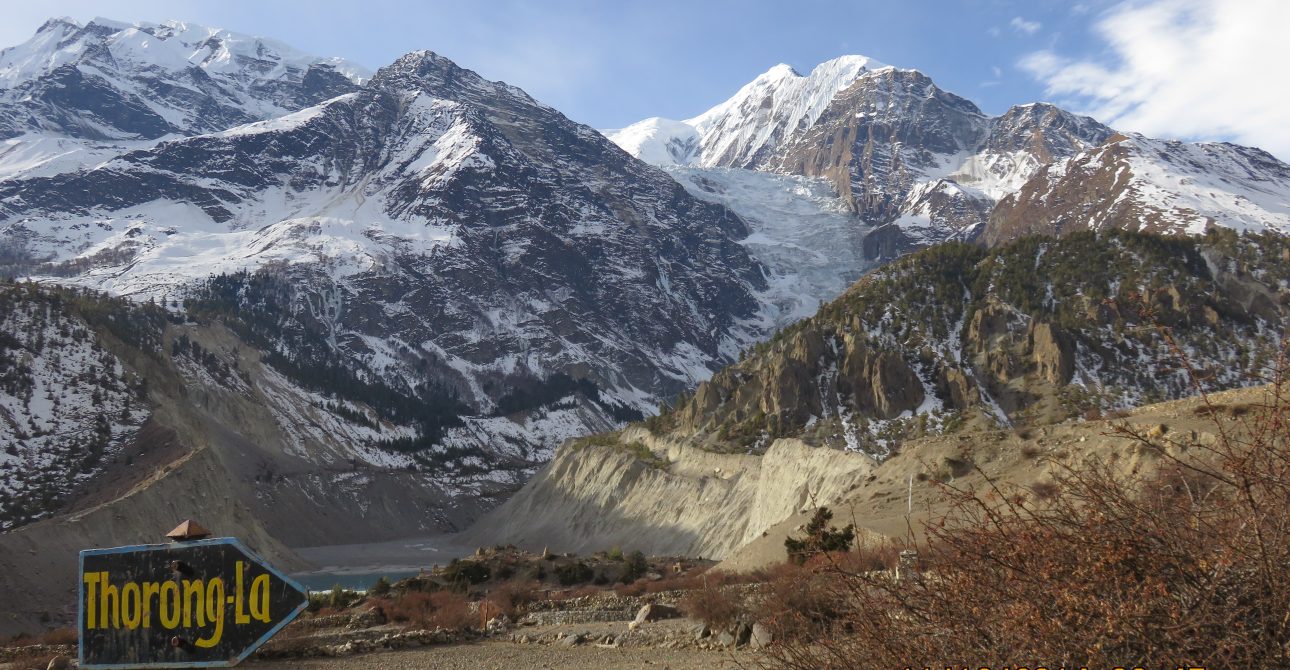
x=694, y=578
x=437, y=609
x=799, y=602
x=1187, y=567
x=580, y=592
x=408, y=607
x=712, y=604
x=451, y=611
x=512, y=597
x=862, y=559
x=636, y=588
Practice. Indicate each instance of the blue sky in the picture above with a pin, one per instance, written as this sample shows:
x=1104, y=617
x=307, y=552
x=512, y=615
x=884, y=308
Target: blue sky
x=614, y=62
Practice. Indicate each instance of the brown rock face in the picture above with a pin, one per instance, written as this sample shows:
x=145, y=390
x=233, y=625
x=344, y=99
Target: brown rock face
x=881, y=383
x=896, y=389
x=1052, y=353
x=960, y=389
x=877, y=137
x=1051, y=201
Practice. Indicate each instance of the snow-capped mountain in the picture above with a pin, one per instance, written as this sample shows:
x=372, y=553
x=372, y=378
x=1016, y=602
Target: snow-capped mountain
x=751, y=124
x=918, y=165
x=111, y=80
x=915, y=164
x=77, y=94
x=432, y=228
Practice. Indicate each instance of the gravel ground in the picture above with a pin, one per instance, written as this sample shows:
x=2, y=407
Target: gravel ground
x=499, y=655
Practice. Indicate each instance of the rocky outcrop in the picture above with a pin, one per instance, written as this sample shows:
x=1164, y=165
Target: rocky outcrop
x=1052, y=353
x=882, y=383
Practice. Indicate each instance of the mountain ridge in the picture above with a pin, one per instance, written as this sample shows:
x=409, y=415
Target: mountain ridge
x=919, y=165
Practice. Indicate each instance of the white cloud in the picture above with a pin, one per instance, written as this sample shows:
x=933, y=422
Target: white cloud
x=1194, y=69
x=995, y=79
x=1024, y=26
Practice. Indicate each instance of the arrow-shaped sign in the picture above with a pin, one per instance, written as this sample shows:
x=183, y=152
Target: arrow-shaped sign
x=208, y=603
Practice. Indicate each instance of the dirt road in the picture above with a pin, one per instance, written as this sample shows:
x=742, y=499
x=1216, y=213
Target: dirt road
x=501, y=655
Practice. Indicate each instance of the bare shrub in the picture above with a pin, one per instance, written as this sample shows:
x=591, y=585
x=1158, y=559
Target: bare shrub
x=450, y=610
x=512, y=597
x=580, y=592
x=437, y=609
x=800, y=603
x=712, y=605
x=1045, y=490
x=696, y=577
x=409, y=607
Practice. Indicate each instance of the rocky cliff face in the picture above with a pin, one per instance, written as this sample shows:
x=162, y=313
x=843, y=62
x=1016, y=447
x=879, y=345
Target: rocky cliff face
x=690, y=502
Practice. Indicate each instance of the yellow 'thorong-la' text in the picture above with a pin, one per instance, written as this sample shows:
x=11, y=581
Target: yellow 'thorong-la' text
x=176, y=604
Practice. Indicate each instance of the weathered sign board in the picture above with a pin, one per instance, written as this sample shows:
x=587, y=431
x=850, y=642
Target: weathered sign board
x=206, y=603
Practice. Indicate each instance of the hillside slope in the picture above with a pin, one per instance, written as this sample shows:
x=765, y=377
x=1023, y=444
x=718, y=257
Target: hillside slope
x=121, y=419
x=1035, y=331
x=953, y=357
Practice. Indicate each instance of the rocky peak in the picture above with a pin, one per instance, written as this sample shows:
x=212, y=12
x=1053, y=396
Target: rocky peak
x=880, y=137
x=746, y=128
x=743, y=130
x=1045, y=131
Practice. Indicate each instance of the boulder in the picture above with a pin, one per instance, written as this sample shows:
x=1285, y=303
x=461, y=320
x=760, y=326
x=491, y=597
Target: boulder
x=655, y=612
x=761, y=637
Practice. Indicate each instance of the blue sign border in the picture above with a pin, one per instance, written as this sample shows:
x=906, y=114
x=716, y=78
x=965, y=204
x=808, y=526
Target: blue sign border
x=80, y=606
